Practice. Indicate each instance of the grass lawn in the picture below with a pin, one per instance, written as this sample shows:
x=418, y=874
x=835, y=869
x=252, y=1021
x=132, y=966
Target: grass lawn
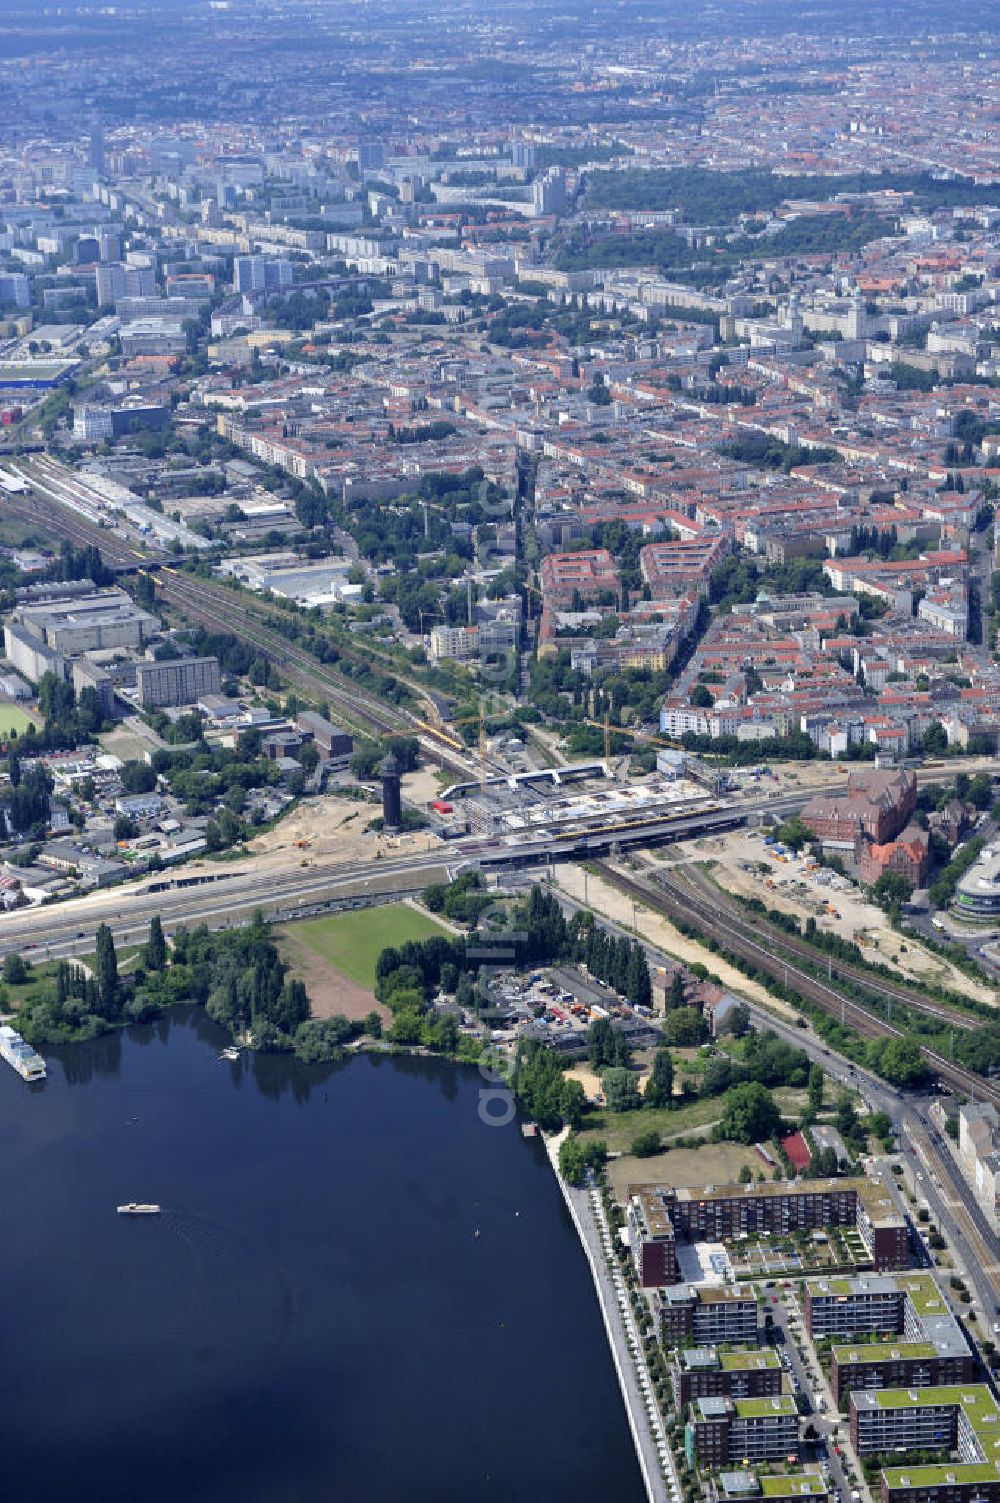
x=12, y=718
x=714, y=1164
x=127, y=956
x=38, y=981
x=350, y=942
x=619, y=1128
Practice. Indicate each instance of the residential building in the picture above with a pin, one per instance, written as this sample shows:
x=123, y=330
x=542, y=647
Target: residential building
x=262, y=274
x=176, y=681
x=651, y=1233
x=588, y=575
x=659, y=1214
x=744, y=1486
x=707, y=1315
x=931, y=1348
x=15, y=288
x=979, y=1155
x=963, y=1418
x=969, y=1482
x=459, y=643
x=704, y=1372
x=115, y=281
x=721, y=1430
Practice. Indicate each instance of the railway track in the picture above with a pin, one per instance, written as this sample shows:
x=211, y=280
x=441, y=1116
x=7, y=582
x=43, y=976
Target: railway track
x=76, y=528
x=217, y=608
x=718, y=903
x=214, y=605
x=678, y=903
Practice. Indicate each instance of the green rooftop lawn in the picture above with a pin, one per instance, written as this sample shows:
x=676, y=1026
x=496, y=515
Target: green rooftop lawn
x=737, y=1361
x=792, y=1484
x=974, y=1398
x=879, y=1351
x=938, y=1476
x=924, y=1294
x=829, y=1286
x=758, y=1408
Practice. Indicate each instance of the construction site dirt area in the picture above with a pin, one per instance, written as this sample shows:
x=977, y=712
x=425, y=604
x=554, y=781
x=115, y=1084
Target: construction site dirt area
x=333, y=826
x=795, y=885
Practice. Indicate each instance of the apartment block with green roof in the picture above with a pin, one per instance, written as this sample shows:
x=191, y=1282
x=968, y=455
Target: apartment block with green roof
x=743, y=1431
x=702, y=1372
x=961, y=1418
x=920, y=1343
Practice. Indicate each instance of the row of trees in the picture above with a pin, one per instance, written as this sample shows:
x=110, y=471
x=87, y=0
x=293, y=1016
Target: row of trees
x=237, y=973
x=617, y=960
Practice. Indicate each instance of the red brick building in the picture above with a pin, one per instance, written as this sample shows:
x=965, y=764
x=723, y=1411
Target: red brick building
x=876, y=807
x=909, y=855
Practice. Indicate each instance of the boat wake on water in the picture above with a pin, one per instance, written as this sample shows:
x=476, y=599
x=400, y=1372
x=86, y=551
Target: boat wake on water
x=230, y=1264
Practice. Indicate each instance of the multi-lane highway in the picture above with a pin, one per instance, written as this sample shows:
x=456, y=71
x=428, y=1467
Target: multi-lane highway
x=217, y=896
x=219, y=893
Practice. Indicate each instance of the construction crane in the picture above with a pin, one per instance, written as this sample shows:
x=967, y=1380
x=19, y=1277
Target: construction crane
x=428, y=616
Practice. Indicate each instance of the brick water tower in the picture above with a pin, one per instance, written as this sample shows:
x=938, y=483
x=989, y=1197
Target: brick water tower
x=392, y=803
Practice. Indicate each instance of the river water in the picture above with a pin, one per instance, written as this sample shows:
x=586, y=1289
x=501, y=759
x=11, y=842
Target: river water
x=314, y=1315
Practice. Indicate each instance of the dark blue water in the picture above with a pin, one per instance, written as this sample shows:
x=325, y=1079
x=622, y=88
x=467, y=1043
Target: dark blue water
x=313, y=1317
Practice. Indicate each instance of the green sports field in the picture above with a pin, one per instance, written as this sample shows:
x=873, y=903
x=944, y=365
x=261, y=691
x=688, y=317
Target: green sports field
x=14, y=719
x=350, y=942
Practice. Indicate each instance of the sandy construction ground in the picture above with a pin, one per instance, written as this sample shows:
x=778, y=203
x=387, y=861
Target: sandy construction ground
x=332, y=826
x=607, y=900
x=422, y=787
x=798, y=892
x=588, y=1078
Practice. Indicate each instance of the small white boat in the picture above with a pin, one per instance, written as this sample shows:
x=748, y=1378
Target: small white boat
x=137, y=1208
x=230, y=1052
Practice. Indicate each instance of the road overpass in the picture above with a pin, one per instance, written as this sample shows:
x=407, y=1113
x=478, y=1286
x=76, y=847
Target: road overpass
x=220, y=894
